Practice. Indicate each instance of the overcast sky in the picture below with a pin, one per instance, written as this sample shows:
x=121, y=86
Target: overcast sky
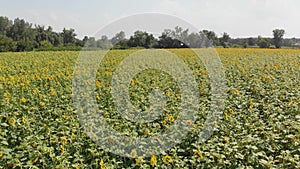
x=239, y=18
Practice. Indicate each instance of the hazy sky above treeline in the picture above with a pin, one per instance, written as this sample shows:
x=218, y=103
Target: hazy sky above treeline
x=239, y=18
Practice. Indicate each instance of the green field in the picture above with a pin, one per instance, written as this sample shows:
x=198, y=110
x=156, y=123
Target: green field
x=259, y=128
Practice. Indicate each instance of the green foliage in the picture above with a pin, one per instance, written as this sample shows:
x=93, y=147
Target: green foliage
x=259, y=127
x=7, y=44
x=210, y=35
x=5, y=25
x=118, y=37
x=141, y=39
x=278, y=37
x=28, y=37
x=225, y=40
x=61, y=48
x=69, y=36
x=25, y=45
x=263, y=43
x=46, y=44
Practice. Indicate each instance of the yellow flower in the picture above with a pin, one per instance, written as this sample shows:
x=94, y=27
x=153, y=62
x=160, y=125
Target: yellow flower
x=1, y=155
x=6, y=94
x=226, y=140
x=153, y=161
x=205, y=73
x=132, y=82
x=83, y=134
x=101, y=163
x=167, y=159
x=11, y=78
x=168, y=93
x=23, y=119
x=62, y=149
x=196, y=127
x=12, y=121
x=133, y=153
x=294, y=139
x=231, y=111
x=23, y=100
x=42, y=104
x=178, y=96
x=237, y=92
x=196, y=72
x=139, y=161
x=226, y=115
x=52, y=94
x=293, y=102
x=98, y=83
x=171, y=118
x=64, y=140
x=6, y=99
x=164, y=122
x=98, y=97
x=73, y=136
x=35, y=160
x=197, y=153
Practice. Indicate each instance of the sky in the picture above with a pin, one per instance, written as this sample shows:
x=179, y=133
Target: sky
x=239, y=18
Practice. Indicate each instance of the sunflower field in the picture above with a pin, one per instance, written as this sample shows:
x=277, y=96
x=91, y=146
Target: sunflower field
x=259, y=127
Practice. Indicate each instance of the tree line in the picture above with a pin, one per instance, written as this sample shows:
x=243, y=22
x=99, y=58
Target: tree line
x=19, y=35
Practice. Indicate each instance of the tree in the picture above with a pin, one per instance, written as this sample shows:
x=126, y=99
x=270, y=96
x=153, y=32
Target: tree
x=41, y=34
x=46, y=44
x=20, y=30
x=7, y=44
x=211, y=36
x=85, y=39
x=141, y=39
x=91, y=43
x=104, y=38
x=225, y=40
x=165, y=41
x=251, y=42
x=68, y=36
x=25, y=45
x=5, y=25
x=174, y=39
x=278, y=37
x=245, y=45
x=263, y=42
x=194, y=40
x=179, y=34
x=118, y=37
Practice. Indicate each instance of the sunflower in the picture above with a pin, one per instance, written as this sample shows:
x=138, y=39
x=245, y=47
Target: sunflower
x=139, y=161
x=167, y=160
x=153, y=161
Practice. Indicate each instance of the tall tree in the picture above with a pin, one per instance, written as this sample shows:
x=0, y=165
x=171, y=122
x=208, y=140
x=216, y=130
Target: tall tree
x=142, y=39
x=251, y=41
x=225, y=40
x=278, y=37
x=209, y=35
x=69, y=36
x=180, y=34
x=7, y=44
x=5, y=24
x=263, y=42
x=194, y=40
x=118, y=37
